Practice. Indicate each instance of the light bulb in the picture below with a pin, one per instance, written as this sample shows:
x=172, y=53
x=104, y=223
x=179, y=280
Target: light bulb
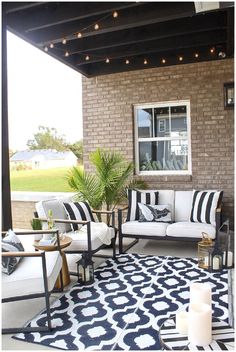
x=127, y=61
x=67, y=54
x=163, y=61
x=64, y=41
x=196, y=55
x=87, y=58
x=79, y=35
x=115, y=14
x=212, y=50
x=145, y=62
x=51, y=45
x=107, y=60
x=46, y=48
x=180, y=58
x=96, y=27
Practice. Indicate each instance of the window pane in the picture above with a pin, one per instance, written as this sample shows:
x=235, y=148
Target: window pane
x=144, y=120
x=163, y=155
x=161, y=119
x=178, y=121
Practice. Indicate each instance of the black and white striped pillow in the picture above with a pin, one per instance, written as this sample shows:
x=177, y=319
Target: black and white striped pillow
x=204, y=206
x=135, y=197
x=78, y=211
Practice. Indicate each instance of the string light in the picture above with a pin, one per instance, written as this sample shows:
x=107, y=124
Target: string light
x=196, y=55
x=87, y=58
x=127, y=61
x=107, y=60
x=51, y=45
x=180, y=58
x=212, y=50
x=115, y=14
x=64, y=41
x=66, y=54
x=96, y=26
x=46, y=48
x=145, y=62
x=79, y=35
x=163, y=61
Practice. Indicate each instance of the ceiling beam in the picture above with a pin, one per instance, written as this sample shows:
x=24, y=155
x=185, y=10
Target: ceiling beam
x=145, y=14
x=197, y=24
x=178, y=43
x=13, y=7
x=62, y=12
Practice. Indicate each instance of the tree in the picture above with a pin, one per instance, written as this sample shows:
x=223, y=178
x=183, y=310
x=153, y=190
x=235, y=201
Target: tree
x=47, y=138
x=108, y=184
x=77, y=149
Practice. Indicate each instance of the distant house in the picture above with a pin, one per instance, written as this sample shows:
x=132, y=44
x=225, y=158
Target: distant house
x=42, y=159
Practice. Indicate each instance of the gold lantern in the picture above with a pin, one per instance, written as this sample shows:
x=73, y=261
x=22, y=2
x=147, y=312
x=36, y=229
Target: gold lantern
x=204, y=247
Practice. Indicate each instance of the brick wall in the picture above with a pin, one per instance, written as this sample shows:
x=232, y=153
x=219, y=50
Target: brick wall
x=108, y=120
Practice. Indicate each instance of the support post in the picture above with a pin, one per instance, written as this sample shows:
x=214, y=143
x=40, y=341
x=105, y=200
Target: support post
x=6, y=191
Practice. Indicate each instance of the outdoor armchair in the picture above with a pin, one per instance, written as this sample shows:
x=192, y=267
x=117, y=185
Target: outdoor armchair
x=34, y=277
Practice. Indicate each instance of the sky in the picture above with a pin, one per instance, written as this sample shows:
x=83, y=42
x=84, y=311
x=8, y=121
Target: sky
x=41, y=91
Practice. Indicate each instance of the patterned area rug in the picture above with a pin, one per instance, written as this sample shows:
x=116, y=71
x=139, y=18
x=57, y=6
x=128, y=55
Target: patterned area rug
x=124, y=308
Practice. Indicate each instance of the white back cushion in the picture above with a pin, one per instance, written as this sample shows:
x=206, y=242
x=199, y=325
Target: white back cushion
x=58, y=212
x=183, y=205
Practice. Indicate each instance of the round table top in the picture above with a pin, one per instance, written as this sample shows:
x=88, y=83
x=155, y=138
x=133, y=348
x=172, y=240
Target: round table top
x=65, y=242
x=171, y=339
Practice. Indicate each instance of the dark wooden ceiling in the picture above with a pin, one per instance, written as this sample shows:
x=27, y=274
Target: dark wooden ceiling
x=143, y=35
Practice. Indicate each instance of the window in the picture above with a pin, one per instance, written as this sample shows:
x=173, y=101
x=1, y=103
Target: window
x=162, y=138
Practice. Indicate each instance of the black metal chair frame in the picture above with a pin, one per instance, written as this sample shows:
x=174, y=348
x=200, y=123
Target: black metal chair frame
x=46, y=294
x=165, y=238
x=91, y=253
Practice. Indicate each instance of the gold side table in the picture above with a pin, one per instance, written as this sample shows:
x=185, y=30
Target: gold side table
x=65, y=242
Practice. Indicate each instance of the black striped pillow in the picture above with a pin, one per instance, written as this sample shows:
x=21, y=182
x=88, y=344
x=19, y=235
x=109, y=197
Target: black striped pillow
x=135, y=197
x=204, y=206
x=78, y=211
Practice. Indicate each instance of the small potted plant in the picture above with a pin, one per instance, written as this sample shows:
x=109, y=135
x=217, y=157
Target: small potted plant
x=36, y=225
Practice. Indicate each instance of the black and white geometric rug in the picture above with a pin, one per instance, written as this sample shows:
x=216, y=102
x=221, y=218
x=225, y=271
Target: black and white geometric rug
x=124, y=308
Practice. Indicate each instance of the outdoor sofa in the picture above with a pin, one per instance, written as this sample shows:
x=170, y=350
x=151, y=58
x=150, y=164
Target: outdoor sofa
x=180, y=204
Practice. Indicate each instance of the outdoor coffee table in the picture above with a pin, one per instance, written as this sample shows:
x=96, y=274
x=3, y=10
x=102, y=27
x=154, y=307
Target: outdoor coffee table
x=65, y=242
x=222, y=337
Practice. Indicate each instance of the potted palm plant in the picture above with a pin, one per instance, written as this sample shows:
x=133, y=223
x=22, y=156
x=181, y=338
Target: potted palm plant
x=106, y=187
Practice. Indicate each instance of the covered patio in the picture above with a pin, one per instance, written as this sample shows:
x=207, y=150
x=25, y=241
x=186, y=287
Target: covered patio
x=155, y=82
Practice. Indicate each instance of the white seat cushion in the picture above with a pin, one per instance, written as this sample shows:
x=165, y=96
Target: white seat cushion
x=190, y=229
x=80, y=240
x=145, y=228
x=28, y=277
x=183, y=205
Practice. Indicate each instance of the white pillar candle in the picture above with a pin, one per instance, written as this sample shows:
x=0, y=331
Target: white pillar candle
x=200, y=293
x=216, y=263
x=200, y=324
x=229, y=259
x=182, y=322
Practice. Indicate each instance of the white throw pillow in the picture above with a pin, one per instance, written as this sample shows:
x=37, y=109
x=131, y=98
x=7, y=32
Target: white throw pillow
x=157, y=213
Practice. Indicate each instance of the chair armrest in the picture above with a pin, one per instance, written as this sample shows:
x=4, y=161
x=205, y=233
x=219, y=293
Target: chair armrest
x=124, y=208
x=65, y=221
x=32, y=232
x=103, y=211
x=22, y=254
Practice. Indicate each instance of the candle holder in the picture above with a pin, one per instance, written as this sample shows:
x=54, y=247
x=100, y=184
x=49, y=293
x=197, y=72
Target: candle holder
x=223, y=239
x=85, y=270
x=215, y=258
x=204, y=247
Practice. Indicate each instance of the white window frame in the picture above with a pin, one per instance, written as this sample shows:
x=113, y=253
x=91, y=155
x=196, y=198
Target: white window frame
x=137, y=140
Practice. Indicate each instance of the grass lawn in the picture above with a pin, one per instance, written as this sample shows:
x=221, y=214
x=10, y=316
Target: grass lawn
x=49, y=180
